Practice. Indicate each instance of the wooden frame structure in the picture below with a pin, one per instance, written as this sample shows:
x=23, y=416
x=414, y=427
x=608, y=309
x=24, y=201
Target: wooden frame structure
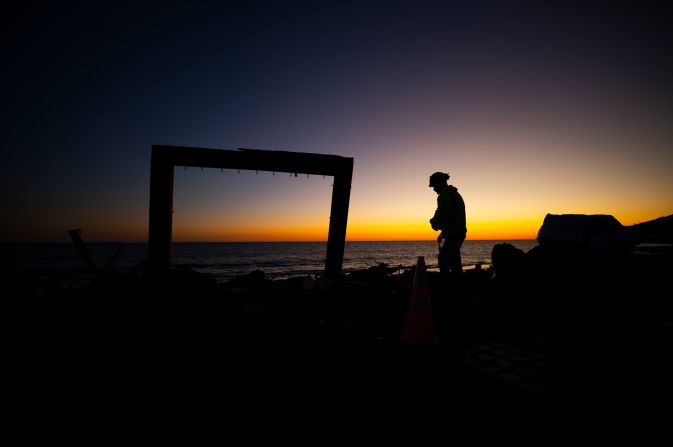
x=165, y=158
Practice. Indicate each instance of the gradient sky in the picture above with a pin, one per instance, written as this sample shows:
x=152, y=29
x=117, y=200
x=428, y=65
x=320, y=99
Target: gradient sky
x=554, y=108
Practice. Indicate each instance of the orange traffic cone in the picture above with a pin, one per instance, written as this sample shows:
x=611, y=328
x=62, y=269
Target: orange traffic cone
x=419, y=328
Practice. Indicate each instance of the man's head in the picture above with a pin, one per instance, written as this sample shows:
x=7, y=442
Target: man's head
x=438, y=181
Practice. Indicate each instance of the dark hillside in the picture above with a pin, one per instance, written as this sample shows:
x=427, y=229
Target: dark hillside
x=657, y=231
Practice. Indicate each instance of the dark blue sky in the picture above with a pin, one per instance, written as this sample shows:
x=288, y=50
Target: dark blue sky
x=90, y=87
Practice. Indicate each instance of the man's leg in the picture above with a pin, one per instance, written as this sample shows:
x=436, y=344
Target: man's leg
x=441, y=305
x=455, y=260
x=444, y=261
x=454, y=301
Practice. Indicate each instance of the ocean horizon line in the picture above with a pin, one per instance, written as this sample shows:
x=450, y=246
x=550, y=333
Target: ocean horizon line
x=256, y=242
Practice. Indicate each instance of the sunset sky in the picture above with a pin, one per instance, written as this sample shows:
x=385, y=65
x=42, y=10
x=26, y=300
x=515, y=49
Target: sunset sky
x=555, y=108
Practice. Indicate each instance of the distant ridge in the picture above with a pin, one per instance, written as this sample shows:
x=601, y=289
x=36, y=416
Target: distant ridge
x=657, y=231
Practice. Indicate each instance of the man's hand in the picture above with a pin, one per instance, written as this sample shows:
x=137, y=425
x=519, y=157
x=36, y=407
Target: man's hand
x=440, y=237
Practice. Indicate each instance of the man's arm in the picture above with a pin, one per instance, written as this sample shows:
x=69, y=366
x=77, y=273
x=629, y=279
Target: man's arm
x=435, y=221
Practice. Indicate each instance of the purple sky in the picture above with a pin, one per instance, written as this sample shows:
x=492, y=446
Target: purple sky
x=562, y=108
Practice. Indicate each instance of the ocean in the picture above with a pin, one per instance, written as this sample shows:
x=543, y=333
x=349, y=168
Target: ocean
x=226, y=260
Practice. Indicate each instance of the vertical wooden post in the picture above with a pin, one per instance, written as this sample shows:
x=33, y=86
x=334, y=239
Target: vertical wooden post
x=76, y=237
x=336, y=238
x=161, y=214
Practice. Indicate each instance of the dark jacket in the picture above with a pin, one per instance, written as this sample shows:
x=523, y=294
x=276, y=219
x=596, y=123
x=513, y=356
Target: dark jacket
x=450, y=214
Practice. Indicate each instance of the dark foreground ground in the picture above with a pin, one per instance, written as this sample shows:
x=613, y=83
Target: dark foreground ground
x=311, y=363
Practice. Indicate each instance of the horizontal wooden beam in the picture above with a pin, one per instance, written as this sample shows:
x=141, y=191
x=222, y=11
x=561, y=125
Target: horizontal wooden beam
x=254, y=160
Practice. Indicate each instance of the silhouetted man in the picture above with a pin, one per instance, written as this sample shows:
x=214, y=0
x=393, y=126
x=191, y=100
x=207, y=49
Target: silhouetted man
x=449, y=219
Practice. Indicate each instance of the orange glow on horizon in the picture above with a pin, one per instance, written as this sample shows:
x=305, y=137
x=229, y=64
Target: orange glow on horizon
x=360, y=228
x=502, y=230
x=357, y=231
x=257, y=234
